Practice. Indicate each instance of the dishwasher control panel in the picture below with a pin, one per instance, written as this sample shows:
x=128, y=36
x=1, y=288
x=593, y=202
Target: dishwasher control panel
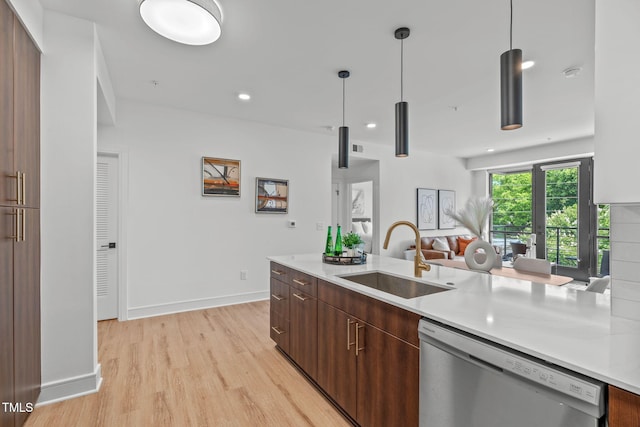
x=551, y=378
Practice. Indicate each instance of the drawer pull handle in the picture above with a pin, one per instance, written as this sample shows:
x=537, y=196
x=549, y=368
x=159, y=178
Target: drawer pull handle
x=300, y=282
x=301, y=298
x=277, y=330
x=277, y=272
x=276, y=297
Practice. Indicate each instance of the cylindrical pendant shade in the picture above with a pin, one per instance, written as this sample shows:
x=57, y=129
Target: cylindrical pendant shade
x=511, y=89
x=402, y=129
x=343, y=147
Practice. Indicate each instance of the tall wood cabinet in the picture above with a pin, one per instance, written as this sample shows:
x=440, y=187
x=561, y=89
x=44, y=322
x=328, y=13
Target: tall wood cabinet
x=19, y=220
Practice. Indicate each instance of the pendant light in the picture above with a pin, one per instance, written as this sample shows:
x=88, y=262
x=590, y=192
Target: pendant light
x=511, y=83
x=343, y=131
x=402, y=108
x=192, y=22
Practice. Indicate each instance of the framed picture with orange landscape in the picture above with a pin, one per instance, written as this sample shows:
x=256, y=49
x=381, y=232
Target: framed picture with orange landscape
x=220, y=177
x=272, y=195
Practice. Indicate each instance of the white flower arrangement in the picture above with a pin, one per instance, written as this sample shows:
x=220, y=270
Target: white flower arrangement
x=475, y=215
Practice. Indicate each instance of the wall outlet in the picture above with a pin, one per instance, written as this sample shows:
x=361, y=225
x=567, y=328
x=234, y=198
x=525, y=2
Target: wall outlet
x=291, y=223
x=243, y=274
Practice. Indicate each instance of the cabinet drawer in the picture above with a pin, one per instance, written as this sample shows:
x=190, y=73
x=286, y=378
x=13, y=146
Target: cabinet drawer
x=279, y=331
x=280, y=272
x=396, y=321
x=280, y=298
x=304, y=282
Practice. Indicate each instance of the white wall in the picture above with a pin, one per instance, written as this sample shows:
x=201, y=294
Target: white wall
x=68, y=153
x=399, y=179
x=186, y=251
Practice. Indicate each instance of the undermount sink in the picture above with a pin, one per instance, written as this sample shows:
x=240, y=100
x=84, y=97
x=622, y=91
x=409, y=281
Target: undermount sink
x=398, y=286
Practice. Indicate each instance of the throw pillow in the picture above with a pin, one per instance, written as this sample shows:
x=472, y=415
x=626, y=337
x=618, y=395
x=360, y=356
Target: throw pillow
x=441, y=244
x=463, y=243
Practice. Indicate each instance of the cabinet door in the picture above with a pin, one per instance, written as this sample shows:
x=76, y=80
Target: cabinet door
x=336, y=356
x=8, y=185
x=27, y=312
x=624, y=408
x=27, y=115
x=387, y=377
x=303, y=324
x=7, y=228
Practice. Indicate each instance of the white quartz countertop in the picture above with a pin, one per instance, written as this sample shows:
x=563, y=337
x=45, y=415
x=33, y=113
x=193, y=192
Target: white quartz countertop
x=570, y=328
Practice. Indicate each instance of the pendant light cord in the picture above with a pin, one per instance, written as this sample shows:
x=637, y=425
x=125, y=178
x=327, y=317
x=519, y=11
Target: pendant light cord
x=511, y=26
x=401, y=70
x=343, y=101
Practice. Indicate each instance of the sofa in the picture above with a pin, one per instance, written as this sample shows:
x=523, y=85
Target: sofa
x=446, y=247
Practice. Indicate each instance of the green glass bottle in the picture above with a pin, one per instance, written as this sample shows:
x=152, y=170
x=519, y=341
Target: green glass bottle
x=338, y=250
x=328, y=250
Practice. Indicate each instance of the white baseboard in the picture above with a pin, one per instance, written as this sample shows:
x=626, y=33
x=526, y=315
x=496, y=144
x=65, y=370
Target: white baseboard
x=199, y=304
x=68, y=388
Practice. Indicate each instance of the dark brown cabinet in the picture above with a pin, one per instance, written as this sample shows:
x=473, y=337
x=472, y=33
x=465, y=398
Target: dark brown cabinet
x=624, y=408
x=294, y=316
x=336, y=356
x=303, y=340
x=280, y=314
x=370, y=373
x=362, y=352
x=19, y=221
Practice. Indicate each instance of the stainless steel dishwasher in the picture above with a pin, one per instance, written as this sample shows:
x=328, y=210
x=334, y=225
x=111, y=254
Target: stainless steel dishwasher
x=466, y=381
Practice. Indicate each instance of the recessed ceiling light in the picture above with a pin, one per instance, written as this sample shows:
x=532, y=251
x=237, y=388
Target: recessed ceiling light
x=371, y=125
x=244, y=96
x=527, y=64
x=184, y=21
x=490, y=150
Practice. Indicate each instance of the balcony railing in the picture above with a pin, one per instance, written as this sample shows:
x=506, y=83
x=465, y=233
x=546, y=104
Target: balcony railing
x=561, y=242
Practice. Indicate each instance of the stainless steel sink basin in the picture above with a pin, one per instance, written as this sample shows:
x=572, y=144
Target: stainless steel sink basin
x=404, y=288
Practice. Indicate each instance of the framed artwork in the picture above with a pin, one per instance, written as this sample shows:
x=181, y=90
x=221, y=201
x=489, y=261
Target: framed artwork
x=272, y=195
x=427, y=211
x=446, y=203
x=220, y=177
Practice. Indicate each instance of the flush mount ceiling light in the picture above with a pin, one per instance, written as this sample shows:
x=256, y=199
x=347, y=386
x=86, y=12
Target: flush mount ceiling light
x=343, y=131
x=511, y=83
x=371, y=125
x=193, y=22
x=244, y=96
x=402, y=108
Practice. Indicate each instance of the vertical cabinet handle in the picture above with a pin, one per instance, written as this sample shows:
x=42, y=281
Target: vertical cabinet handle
x=24, y=223
x=24, y=194
x=16, y=223
x=358, y=348
x=349, y=343
x=18, y=177
x=20, y=225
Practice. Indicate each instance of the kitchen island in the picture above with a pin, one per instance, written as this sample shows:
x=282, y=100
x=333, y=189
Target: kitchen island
x=565, y=327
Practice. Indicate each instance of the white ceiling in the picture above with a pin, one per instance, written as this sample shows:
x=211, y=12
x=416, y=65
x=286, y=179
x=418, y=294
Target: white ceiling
x=287, y=53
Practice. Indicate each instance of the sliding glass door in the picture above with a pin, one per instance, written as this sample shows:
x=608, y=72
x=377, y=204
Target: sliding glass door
x=564, y=217
x=548, y=208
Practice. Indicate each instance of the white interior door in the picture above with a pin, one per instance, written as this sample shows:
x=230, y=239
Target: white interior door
x=106, y=233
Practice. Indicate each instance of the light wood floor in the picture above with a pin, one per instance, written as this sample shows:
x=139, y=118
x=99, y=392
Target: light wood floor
x=215, y=367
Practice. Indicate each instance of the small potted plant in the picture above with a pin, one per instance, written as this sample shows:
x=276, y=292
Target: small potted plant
x=351, y=240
